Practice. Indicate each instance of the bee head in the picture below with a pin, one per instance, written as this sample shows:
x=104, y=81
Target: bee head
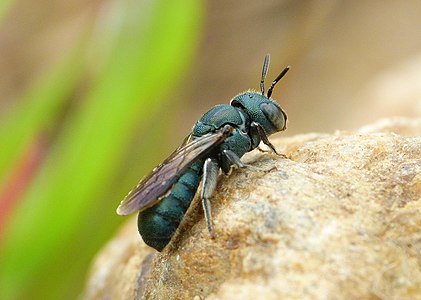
x=260, y=107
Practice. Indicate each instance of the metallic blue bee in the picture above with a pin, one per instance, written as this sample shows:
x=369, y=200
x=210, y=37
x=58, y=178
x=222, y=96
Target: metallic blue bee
x=218, y=141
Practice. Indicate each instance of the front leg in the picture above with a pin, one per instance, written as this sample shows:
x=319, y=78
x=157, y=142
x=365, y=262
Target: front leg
x=210, y=179
x=256, y=128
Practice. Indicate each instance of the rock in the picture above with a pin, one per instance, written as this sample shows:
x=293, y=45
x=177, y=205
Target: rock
x=339, y=219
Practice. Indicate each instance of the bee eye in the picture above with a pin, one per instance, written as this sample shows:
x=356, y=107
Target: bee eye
x=275, y=115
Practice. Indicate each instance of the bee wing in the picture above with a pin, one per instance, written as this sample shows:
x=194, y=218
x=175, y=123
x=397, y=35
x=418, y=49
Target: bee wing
x=150, y=189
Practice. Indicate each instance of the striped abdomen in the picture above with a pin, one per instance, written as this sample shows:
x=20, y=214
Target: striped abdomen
x=158, y=223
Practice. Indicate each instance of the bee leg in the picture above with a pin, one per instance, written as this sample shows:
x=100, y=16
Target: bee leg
x=262, y=150
x=235, y=160
x=256, y=128
x=210, y=178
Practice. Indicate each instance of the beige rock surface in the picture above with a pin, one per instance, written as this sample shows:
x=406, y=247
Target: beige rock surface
x=339, y=219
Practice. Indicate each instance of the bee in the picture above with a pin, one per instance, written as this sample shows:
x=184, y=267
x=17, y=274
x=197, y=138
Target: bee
x=217, y=142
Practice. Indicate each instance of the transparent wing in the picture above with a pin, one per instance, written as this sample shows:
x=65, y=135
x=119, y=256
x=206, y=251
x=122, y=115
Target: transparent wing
x=150, y=189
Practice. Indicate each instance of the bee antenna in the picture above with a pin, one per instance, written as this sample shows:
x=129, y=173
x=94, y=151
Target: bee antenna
x=264, y=72
x=282, y=74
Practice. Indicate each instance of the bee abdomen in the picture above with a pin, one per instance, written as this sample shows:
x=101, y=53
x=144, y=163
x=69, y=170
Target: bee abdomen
x=158, y=223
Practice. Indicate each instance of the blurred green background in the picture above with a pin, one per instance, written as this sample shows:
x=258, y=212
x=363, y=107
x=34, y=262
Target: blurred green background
x=95, y=93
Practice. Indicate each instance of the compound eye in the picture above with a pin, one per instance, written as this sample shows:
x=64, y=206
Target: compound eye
x=275, y=115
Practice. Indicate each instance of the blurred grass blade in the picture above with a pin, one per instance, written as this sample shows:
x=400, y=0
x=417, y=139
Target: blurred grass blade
x=154, y=45
x=4, y=8
x=37, y=110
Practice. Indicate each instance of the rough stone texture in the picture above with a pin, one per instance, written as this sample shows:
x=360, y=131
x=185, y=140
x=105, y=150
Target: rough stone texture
x=339, y=219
